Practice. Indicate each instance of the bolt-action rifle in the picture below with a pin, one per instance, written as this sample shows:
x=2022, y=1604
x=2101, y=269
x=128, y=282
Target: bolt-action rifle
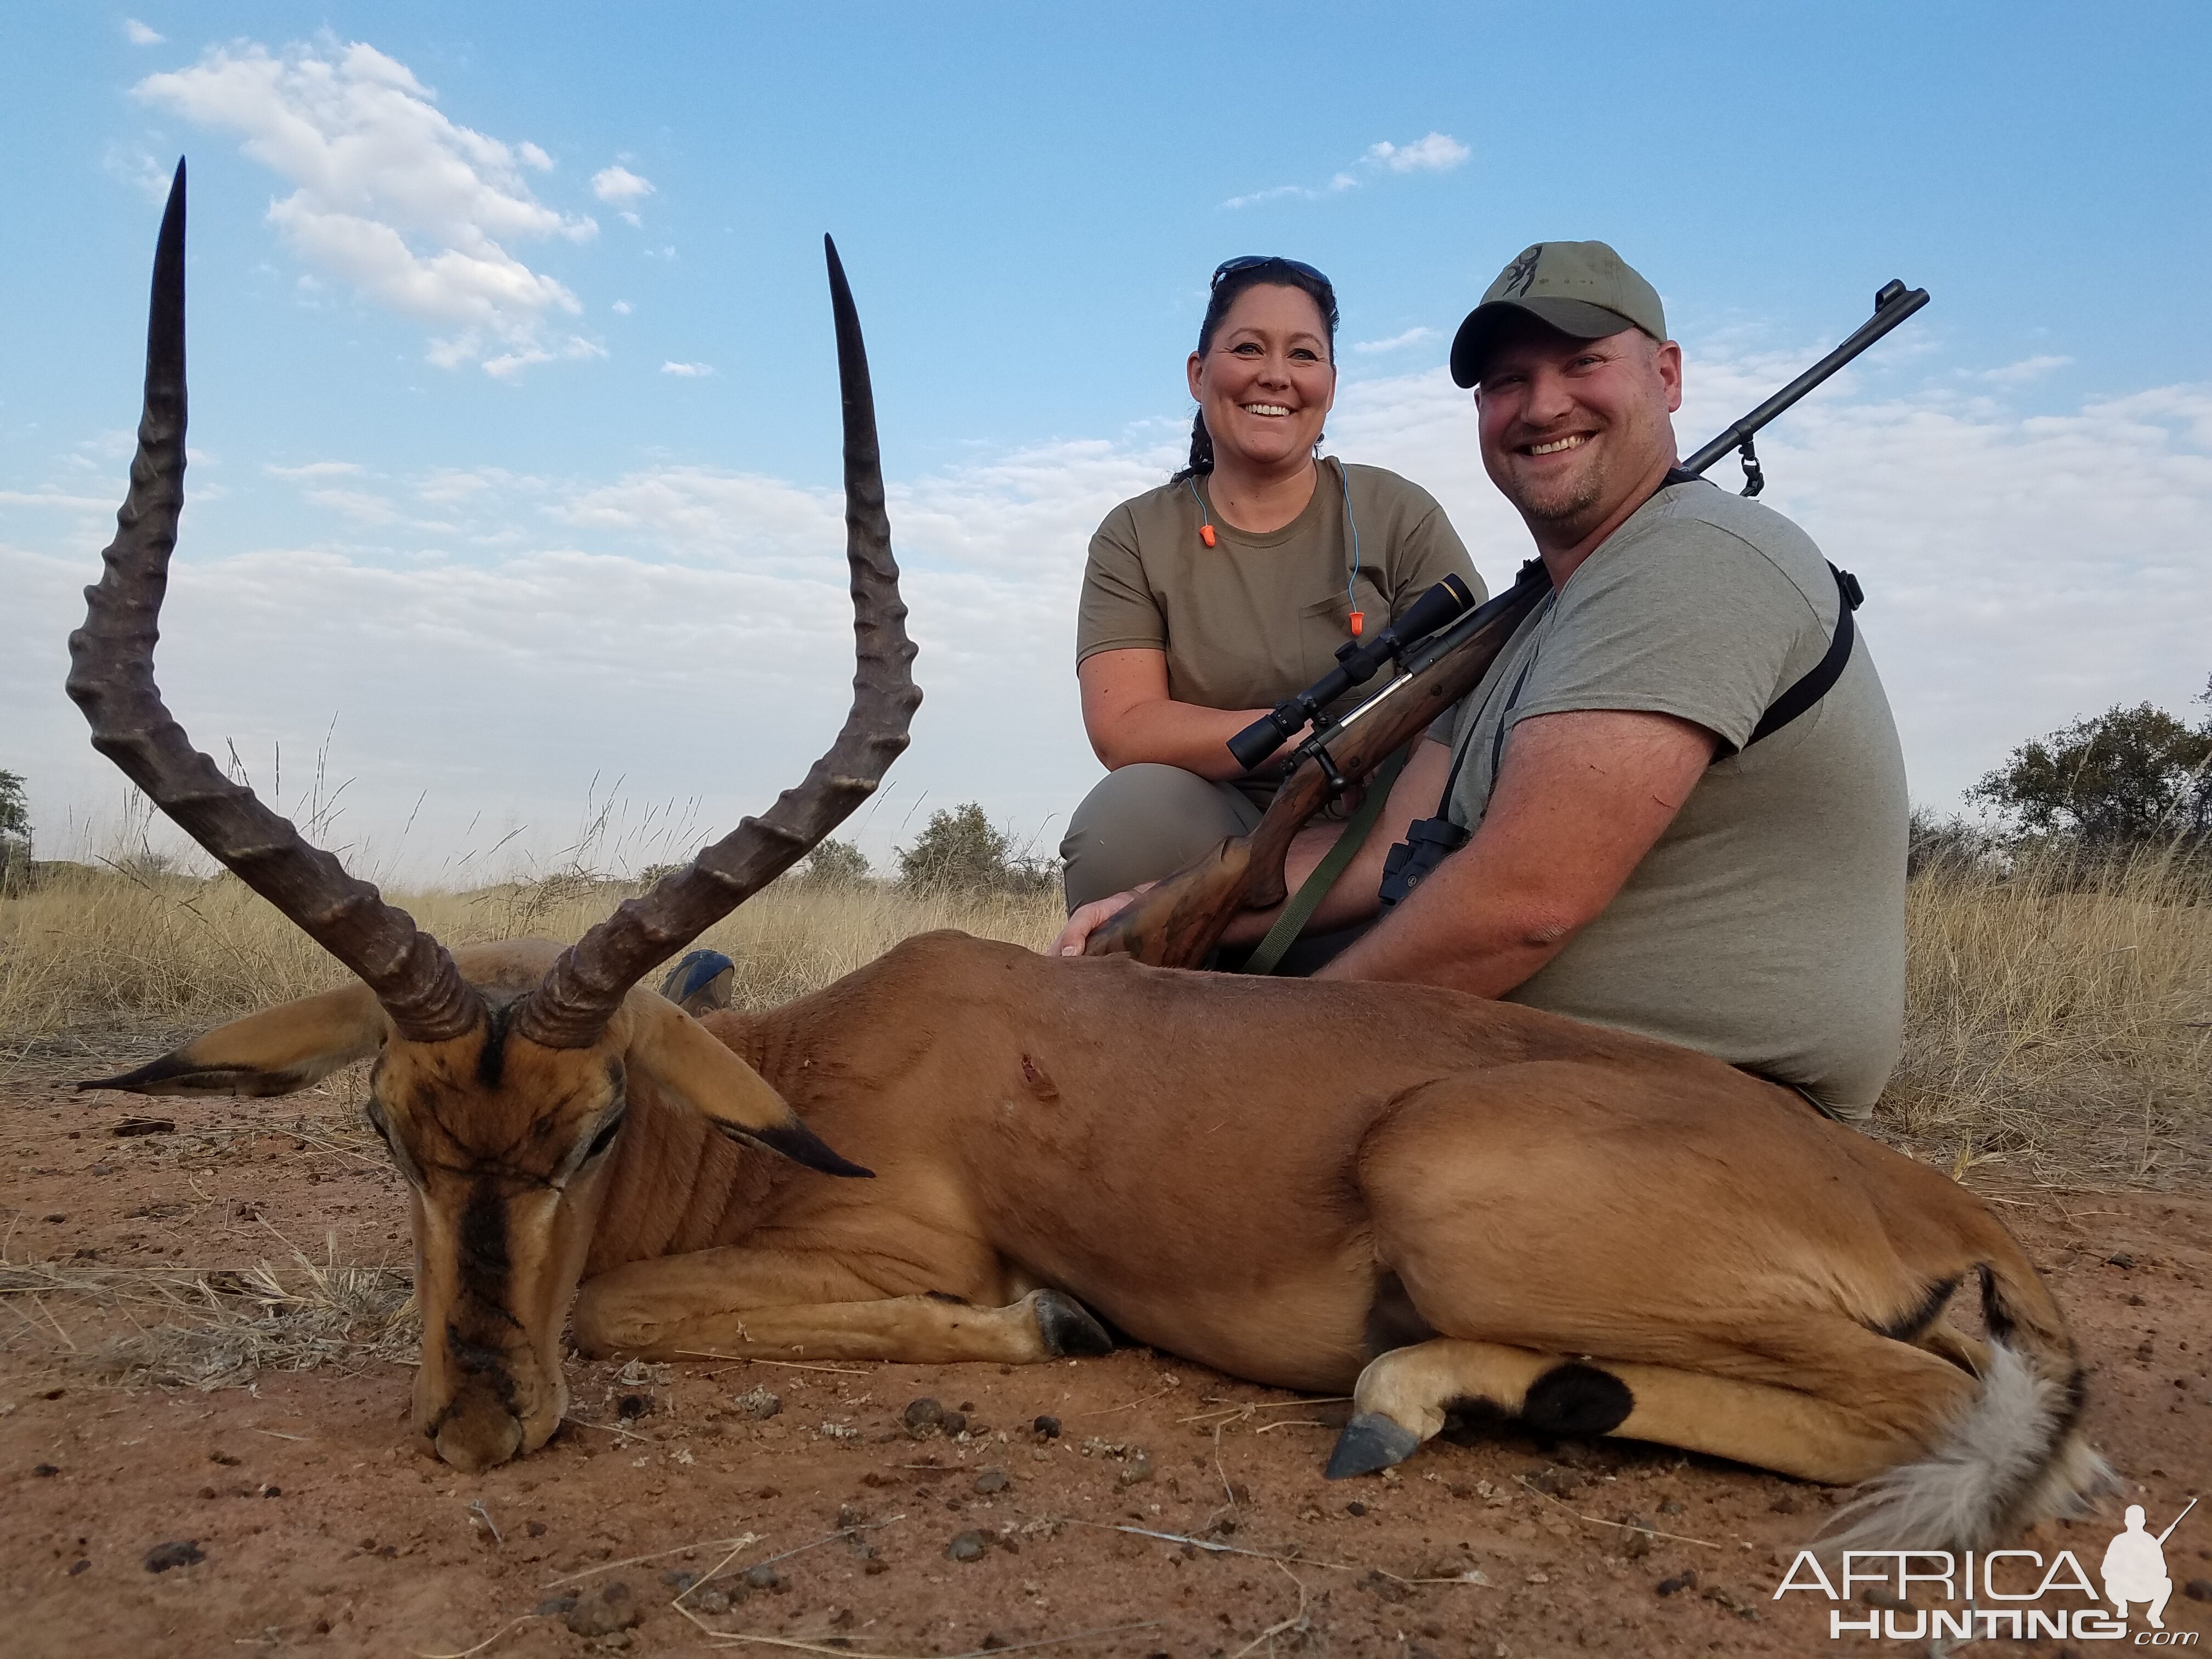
x=1442, y=649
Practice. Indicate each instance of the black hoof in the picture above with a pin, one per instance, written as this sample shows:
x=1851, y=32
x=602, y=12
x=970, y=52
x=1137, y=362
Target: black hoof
x=1370, y=1443
x=1068, y=1329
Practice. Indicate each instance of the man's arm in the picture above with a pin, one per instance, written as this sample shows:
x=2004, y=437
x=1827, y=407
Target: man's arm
x=1580, y=797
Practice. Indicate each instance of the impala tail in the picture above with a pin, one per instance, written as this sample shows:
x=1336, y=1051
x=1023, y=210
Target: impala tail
x=2015, y=1456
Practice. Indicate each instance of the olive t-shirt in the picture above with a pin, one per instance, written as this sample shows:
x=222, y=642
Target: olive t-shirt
x=1254, y=618
x=1766, y=926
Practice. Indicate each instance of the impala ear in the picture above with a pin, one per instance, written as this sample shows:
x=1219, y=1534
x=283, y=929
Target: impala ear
x=682, y=1056
x=271, y=1053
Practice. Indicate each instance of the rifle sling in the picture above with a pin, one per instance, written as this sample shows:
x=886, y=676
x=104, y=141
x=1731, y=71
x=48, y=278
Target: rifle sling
x=1288, y=925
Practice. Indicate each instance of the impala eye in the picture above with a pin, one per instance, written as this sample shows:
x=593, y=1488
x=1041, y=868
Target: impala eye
x=605, y=1137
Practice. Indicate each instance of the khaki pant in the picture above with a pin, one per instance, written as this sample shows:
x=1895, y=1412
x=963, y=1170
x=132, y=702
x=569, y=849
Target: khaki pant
x=1147, y=821
x=1143, y=822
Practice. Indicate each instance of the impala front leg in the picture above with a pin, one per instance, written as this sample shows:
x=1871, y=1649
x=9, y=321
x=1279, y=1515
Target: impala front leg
x=754, y=1304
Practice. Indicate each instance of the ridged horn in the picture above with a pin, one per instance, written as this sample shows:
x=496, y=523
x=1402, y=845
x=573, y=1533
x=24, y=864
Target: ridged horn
x=579, y=994
x=111, y=680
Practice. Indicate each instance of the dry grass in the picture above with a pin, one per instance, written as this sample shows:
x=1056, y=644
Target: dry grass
x=201, y=1328
x=101, y=949
x=2059, y=1017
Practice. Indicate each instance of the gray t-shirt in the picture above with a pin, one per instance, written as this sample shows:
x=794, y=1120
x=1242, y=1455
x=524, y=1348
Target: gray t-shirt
x=1766, y=926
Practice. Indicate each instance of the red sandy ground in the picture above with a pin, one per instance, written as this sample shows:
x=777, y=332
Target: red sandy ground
x=324, y=1532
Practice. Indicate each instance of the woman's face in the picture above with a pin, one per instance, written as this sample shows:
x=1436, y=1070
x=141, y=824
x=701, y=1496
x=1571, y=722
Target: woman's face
x=1266, y=383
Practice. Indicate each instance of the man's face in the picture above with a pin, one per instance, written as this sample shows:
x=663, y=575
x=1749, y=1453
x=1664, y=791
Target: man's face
x=1571, y=428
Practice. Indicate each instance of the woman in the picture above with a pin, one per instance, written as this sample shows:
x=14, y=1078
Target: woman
x=1209, y=600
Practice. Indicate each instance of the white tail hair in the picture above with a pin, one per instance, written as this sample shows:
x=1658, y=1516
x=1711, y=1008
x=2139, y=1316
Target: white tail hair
x=2013, y=1457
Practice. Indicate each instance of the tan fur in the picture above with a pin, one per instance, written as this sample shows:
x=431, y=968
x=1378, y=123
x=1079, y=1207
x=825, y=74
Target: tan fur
x=1227, y=1169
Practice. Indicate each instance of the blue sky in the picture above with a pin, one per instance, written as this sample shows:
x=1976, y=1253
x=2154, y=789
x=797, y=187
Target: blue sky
x=522, y=491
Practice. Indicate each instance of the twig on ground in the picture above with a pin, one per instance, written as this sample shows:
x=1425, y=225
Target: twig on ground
x=1291, y=1423
x=738, y=1638
x=1251, y=1406
x=749, y=1359
x=1622, y=1526
x=276, y=1434
x=1281, y=1625
x=609, y=1428
x=738, y=1543
x=1127, y=1405
x=1470, y=1577
x=466, y=1653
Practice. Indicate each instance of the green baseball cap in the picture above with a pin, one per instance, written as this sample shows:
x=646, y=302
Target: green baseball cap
x=1582, y=289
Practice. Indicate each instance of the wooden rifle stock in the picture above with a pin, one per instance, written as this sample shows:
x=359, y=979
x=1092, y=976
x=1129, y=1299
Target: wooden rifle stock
x=1176, y=921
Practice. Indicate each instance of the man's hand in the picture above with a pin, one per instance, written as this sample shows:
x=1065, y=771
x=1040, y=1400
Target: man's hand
x=1087, y=919
x=1581, y=798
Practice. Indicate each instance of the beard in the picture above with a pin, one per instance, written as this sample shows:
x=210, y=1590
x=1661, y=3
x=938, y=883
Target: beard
x=1557, y=504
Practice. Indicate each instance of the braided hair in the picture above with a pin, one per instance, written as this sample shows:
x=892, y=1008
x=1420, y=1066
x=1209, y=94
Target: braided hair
x=1276, y=273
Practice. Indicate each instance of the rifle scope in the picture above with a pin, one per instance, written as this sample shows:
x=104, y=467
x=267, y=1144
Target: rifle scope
x=1356, y=664
x=1449, y=598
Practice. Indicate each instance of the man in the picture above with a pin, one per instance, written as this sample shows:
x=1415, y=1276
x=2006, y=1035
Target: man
x=1635, y=859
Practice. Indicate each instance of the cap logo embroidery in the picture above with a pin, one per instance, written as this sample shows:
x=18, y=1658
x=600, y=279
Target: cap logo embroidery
x=1522, y=272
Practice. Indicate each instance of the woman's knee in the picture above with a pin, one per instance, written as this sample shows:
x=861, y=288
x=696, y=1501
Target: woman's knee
x=1143, y=821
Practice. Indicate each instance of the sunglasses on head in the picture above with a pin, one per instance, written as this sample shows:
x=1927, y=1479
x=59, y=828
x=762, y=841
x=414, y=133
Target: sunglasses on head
x=1253, y=261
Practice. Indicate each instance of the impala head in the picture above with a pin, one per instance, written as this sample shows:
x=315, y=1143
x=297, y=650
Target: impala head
x=503, y=1072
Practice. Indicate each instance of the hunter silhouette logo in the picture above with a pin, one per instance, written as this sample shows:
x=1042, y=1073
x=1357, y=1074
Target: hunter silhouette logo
x=2134, y=1569
x=1914, y=1596
x=1522, y=272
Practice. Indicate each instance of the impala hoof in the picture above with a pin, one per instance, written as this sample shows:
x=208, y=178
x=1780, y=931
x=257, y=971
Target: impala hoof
x=1069, y=1330
x=1370, y=1443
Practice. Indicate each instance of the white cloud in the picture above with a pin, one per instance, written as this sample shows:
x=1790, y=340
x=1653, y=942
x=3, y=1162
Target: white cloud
x=138, y=34
x=394, y=197
x=619, y=187
x=2021, y=372
x=688, y=371
x=1396, y=342
x=1437, y=152
x=315, y=470
x=621, y=308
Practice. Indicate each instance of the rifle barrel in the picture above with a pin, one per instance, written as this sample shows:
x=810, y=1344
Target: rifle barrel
x=1891, y=306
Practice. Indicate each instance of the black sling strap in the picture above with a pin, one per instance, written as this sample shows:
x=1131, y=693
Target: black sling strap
x=1824, y=674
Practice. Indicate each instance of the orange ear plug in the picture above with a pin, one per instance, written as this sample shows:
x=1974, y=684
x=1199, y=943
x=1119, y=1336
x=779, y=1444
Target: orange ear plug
x=1206, y=534
x=1358, y=623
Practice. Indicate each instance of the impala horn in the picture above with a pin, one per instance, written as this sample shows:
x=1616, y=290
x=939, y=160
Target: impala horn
x=583, y=989
x=112, y=679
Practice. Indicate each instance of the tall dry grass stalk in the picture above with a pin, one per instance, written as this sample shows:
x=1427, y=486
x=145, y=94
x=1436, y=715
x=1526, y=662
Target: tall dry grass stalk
x=94, y=949
x=2059, y=1015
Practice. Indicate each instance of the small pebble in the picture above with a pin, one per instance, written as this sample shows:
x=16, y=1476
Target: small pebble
x=535, y=1528
x=1671, y=1506
x=1355, y=1508
x=1046, y=1428
x=1681, y=1581
x=922, y=1416
x=45, y=1471
x=710, y=1601
x=78, y=1566
x=850, y=1515
x=991, y=1480
x=1136, y=1469
x=763, y=1578
x=966, y=1546
x=758, y=1404
x=182, y=1553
